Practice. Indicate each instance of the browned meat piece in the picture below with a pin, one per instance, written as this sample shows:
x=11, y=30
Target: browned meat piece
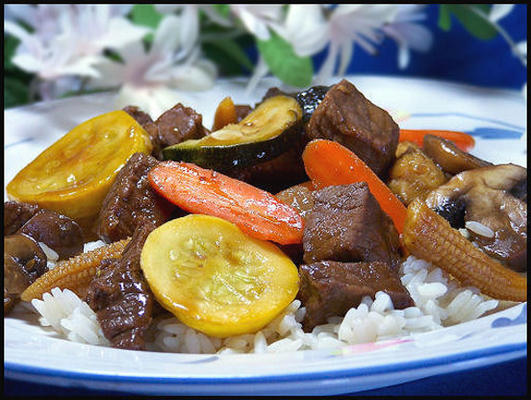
x=299, y=197
x=121, y=297
x=140, y=116
x=347, y=117
x=330, y=288
x=242, y=110
x=59, y=232
x=175, y=125
x=347, y=224
x=147, y=123
x=178, y=124
x=276, y=174
x=24, y=262
x=17, y=214
x=131, y=201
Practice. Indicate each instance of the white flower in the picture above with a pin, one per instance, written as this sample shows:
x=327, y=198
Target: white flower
x=172, y=62
x=68, y=40
x=407, y=33
x=257, y=19
x=520, y=50
x=499, y=11
x=353, y=24
x=303, y=28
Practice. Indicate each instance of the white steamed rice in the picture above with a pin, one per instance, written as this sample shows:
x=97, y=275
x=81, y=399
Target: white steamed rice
x=439, y=302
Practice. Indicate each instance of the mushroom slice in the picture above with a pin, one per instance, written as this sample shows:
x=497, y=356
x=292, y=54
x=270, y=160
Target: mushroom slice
x=24, y=262
x=57, y=231
x=482, y=201
x=450, y=157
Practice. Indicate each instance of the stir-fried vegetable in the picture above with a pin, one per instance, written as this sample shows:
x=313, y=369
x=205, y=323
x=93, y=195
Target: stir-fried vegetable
x=215, y=278
x=225, y=114
x=203, y=191
x=74, y=273
x=462, y=140
x=328, y=163
x=268, y=131
x=429, y=236
x=73, y=175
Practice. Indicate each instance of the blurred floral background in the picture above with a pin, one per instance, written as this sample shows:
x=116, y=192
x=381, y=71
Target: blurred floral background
x=54, y=51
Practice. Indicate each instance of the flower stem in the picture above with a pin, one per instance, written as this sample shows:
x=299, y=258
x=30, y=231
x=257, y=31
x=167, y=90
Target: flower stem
x=503, y=34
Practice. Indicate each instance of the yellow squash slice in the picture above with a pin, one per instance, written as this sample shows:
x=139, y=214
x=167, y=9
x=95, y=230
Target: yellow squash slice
x=74, y=174
x=216, y=279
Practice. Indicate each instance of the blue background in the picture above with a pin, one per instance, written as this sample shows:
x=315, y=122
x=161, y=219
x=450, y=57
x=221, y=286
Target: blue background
x=456, y=55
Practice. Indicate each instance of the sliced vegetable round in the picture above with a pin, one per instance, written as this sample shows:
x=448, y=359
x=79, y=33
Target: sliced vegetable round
x=73, y=175
x=216, y=279
x=265, y=133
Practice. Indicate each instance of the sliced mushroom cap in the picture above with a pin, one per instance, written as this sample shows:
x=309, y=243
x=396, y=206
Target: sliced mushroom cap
x=449, y=157
x=24, y=262
x=58, y=232
x=482, y=201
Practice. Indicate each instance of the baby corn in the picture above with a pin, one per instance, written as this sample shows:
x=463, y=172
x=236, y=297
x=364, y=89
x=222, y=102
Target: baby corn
x=75, y=273
x=429, y=236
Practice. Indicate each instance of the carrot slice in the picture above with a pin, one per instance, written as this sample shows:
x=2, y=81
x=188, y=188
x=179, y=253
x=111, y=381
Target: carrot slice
x=329, y=163
x=202, y=191
x=225, y=114
x=462, y=140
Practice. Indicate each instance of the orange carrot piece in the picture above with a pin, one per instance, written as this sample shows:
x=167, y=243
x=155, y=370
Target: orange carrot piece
x=202, y=191
x=329, y=163
x=462, y=140
x=225, y=114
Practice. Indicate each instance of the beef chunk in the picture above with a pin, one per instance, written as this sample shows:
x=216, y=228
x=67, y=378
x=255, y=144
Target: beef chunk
x=347, y=117
x=330, y=288
x=276, y=174
x=347, y=224
x=17, y=214
x=147, y=123
x=59, y=232
x=140, y=116
x=131, y=201
x=175, y=125
x=178, y=124
x=242, y=110
x=121, y=297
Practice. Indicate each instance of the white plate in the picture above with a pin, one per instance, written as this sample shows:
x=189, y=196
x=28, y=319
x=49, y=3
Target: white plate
x=497, y=119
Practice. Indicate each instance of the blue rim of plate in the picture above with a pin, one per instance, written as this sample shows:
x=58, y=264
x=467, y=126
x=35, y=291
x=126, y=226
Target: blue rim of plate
x=474, y=355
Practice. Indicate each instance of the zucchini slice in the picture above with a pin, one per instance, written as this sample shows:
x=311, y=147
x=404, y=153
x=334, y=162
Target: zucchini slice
x=268, y=131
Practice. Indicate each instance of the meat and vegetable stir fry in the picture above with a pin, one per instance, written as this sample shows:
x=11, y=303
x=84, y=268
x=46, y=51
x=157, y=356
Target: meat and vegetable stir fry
x=316, y=196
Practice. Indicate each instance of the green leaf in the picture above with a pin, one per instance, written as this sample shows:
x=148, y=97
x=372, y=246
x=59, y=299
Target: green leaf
x=226, y=65
x=222, y=9
x=233, y=50
x=284, y=63
x=10, y=45
x=473, y=23
x=445, y=21
x=146, y=15
x=16, y=92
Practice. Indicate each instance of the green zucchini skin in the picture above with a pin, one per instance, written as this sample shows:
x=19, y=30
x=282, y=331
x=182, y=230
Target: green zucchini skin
x=226, y=158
